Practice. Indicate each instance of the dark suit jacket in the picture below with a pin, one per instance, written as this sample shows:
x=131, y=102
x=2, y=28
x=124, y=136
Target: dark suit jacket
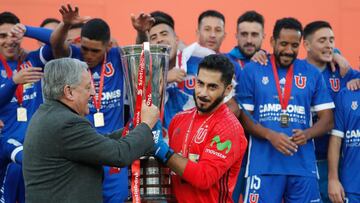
x=63, y=155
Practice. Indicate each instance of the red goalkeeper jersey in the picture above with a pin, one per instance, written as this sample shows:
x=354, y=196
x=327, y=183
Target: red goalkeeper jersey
x=215, y=147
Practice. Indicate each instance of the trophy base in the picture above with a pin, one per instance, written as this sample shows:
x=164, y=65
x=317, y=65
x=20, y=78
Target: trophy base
x=155, y=181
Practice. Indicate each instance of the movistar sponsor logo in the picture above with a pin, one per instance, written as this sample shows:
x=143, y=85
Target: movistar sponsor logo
x=277, y=107
x=352, y=134
x=221, y=146
x=218, y=154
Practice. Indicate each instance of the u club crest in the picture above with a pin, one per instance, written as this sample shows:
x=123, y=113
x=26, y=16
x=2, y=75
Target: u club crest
x=335, y=84
x=200, y=135
x=3, y=74
x=265, y=80
x=300, y=81
x=354, y=105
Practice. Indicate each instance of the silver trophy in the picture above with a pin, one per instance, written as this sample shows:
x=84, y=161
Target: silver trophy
x=160, y=64
x=154, y=178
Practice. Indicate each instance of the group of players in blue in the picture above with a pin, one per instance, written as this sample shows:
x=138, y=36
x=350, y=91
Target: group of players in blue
x=284, y=103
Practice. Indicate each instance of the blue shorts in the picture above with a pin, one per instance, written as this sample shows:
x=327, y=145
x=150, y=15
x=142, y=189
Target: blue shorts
x=278, y=188
x=352, y=198
x=115, y=185
x=14, y=188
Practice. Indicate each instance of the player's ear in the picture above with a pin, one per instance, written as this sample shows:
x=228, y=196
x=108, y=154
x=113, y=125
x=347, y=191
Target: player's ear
x=109, y=45
x=307, y=45
x=68, y=94
x=228, y=90
x=272, y=42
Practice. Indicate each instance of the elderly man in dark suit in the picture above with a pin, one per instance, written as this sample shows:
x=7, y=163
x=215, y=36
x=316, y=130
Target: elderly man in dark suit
x=63, y=153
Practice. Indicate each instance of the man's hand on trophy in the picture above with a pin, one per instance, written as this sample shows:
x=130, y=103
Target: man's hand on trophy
x=162, y=150
x=149, y=114
x=176, y=75
x=71, y=16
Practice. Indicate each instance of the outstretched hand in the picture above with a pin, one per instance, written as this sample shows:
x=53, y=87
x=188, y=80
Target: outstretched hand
x=71, y=16
x=142, y=22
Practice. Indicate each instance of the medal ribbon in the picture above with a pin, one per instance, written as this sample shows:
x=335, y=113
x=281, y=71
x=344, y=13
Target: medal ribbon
x=241, y=63
x=187, y=143
x=284, y=101
x=181, y=84
x=97, y=98
x=20, y=87
x=135, y=167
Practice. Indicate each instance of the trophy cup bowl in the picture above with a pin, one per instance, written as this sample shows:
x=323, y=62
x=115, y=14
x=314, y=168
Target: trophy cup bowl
x=154, y=177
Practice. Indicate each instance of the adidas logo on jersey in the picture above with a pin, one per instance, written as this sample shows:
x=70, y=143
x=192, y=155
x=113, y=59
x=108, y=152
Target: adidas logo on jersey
x=96, y=76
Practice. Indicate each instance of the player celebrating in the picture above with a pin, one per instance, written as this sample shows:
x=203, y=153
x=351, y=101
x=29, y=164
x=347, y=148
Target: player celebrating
x=106, y=107
x=280, y=95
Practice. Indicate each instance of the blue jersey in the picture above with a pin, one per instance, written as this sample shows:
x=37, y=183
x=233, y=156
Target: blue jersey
x=112, y=101
x=115, y=187
x=347, y=126
x=10, y=151
x=32, y=95
x=239, y=61
x=236, y=56
x=259, y=94
x=13, y=186
x=334, y=83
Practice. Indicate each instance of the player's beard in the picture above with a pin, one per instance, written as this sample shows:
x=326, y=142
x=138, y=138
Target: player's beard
x=278, y=60
x=212, y=106
x=248, y=55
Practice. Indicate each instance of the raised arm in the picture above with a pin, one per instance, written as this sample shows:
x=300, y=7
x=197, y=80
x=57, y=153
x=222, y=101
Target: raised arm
x=41, y=34
x=142, y=24
x=58, y=42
